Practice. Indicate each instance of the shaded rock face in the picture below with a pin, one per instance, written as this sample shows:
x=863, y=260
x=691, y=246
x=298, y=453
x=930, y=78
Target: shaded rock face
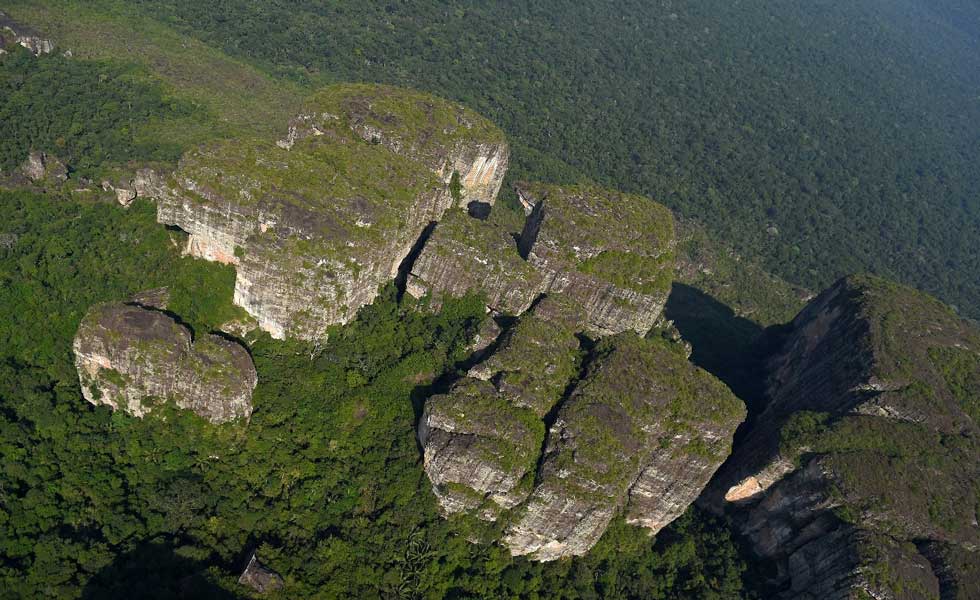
x=867, y=454
x=610, y=252
x=644, y=430
x=316, y=223
x=465, y=254
x=40, y=167
x=13, y=32
x=130, y=358
x=567, y=246
x=259, y=577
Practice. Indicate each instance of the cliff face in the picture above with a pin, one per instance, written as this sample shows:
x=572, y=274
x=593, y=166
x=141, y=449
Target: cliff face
x=609, y=252
x=316, y=223
x=12, y=32
x=131, y=358
x=870, y=435
x=465, y=254
x=641, y=416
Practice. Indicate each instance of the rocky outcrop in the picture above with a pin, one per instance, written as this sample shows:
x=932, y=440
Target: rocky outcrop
x=611, y=253
x=643, y=430
x=315, y=224
x=481, y=440
x=465, y=254
x=12, y=32
x=479, y=450
x=869, y=443
x=41, y=167
x=259, y=577
x=445, y=137
x=132, y=358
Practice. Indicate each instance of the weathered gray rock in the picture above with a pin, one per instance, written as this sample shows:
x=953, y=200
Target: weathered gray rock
x=315, y=224
x=465, y=254
x=537, y=359
x=132, y=358
x=259, y=577
x=13, y=32
x=612, y=253
x=626, y=434
x=445, y=137
x=853, y=460
x=479, y=450
x=40, y=167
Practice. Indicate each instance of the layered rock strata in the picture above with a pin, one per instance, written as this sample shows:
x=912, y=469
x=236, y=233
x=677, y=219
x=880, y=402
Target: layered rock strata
x=611, y=253
x=316, y=223
x=644, y=430
x=465, y=254
x=868, y=451
x=481, y=440
x=132, y=358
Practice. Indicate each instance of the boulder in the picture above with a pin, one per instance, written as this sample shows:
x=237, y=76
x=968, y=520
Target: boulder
x=132, y=358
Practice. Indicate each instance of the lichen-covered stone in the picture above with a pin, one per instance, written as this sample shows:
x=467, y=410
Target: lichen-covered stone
x=313, y=231
x=131, y=358
x=15, y=33
x=638, y=421
x=870, y=434
x=611, y=252
x=538, y=358
x=444, y=136
x=40, y=167
x=465, y=254
x=479, y=450
x=316, y=223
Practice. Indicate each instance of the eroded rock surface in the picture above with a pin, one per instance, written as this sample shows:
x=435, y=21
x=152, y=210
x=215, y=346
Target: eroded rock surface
x=465, y=254
x=445, y=137
x=316, y=223
x=12, y=32
x=644, y=430
x=611, y=253
x=132, y=358
x=40, y=167
x=867, y=454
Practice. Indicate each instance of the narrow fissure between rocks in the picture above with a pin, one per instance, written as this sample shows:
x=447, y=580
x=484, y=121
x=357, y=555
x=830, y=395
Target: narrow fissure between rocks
x=405, y=267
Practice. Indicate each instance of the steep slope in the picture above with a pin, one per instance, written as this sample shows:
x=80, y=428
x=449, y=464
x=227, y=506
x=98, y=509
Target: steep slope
x=864, y=464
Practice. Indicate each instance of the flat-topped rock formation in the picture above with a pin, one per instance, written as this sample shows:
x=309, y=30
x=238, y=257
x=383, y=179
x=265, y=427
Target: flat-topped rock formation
x=643, y=432
x=316, y=223
x=132, y=358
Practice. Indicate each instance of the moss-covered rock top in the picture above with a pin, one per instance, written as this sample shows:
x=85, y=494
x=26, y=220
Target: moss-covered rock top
x=624, y=239
x=335, y=190
x=413, y=122
x=132, y=358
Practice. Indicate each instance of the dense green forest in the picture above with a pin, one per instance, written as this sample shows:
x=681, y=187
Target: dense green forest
x=825, y=138
x=325, y=479
x=90, y=114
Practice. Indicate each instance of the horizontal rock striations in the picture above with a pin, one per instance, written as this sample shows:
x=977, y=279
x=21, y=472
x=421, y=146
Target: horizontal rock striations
x=132, y=358
x=316, y=223
x=611, y=253
x=481, y=440
x=465, y=254
x=867, y=454
x=644, y=430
